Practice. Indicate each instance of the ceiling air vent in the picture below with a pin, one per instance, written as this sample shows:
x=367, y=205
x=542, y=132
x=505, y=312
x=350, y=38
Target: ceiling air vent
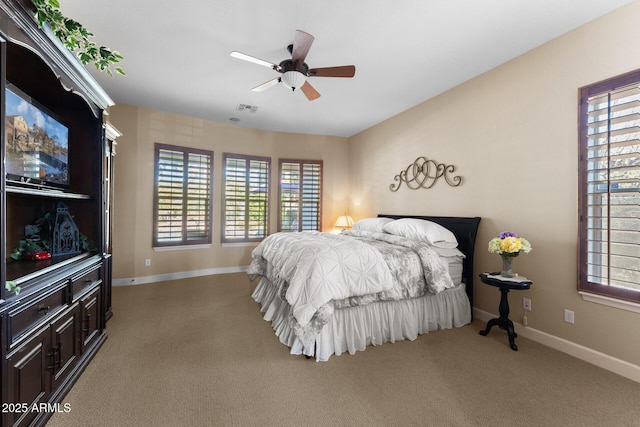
x=247, y=108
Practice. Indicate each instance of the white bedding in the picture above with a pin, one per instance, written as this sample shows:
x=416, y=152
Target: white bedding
x=320, y=267
x=317, y=273
x=454, y=265
x=352, y=329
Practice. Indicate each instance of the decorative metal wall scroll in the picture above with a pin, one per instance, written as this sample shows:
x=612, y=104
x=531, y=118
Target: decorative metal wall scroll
x=424, y=173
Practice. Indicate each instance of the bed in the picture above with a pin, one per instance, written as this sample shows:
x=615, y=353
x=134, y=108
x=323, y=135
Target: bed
x=383, y=281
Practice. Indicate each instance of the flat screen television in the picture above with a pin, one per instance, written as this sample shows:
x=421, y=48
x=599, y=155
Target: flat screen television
x=37, y=143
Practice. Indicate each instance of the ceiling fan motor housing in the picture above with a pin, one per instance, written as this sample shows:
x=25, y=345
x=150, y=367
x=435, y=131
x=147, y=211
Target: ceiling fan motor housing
x=291, y=65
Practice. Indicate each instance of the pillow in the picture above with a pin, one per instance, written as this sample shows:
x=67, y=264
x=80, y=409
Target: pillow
x=449, y=252
x=371, y=224
x=422, y=230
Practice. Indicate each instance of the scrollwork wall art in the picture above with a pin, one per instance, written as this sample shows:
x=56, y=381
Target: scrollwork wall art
x=424, y=173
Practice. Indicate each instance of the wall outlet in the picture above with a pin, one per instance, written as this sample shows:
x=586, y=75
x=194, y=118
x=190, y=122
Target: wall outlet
x=569, y=316
x=526, y=304
x=147, y=262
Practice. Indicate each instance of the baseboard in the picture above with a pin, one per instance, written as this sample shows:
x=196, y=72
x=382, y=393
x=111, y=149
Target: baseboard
x=128, y=281
x=618, y=366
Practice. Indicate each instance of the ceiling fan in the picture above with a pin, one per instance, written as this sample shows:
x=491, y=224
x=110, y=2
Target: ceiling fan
x=295, y=71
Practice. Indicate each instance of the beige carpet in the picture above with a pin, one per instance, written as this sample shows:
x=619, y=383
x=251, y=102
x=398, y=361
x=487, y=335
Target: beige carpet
x=196, y=352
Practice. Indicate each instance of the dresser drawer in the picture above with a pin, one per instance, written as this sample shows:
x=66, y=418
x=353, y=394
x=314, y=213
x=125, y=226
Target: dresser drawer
x=86, y=279
x=37, y=310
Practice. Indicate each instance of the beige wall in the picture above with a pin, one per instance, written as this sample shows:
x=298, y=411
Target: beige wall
x=134, y=174
x=512, y=135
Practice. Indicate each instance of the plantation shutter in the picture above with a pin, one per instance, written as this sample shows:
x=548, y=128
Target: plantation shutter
x=246, y=198
x=300, y=195
x=611, y=180
x=182, y=208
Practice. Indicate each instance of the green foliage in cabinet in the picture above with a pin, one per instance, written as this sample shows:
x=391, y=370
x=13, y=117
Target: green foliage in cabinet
x=38, y=238
x=11, y=286
x=76, y=37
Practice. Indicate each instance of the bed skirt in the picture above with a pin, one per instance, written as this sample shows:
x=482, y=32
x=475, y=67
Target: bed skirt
x=355, y=328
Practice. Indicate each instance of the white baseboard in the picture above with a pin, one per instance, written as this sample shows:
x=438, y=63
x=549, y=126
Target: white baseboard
x=618, y=366
x=128, y=281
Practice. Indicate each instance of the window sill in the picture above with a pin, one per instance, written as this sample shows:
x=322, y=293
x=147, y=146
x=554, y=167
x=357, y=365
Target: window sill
x=611, y=302
x=239, y=244
x=180, y=248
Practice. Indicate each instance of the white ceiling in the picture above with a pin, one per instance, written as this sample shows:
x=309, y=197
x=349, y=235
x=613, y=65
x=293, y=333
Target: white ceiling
x=176, y=53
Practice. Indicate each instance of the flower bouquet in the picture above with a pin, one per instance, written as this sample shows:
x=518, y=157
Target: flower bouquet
x=508, y=245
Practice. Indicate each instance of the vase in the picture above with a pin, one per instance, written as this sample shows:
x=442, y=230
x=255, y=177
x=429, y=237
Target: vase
x=506, y=266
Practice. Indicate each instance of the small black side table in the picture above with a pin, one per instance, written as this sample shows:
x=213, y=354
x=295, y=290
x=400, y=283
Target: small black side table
x=504, y=284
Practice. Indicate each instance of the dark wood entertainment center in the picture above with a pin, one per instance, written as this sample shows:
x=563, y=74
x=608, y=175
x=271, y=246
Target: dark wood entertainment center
x=54, y=326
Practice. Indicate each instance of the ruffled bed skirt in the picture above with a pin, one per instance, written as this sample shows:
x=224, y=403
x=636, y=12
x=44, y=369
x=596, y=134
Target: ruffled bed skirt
x=352, y=329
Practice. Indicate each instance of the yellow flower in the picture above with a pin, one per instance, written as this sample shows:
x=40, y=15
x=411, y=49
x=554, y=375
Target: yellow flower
x=510, y=244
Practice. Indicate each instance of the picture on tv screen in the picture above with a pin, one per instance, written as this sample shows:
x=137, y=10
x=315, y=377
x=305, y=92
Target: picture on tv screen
x=37, y=144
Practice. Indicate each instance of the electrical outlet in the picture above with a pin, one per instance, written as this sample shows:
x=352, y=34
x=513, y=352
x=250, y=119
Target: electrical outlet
x=147, y=262
x=526, y=304
x=569, y=316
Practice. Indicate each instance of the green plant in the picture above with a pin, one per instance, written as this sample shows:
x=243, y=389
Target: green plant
x=76, y=37
x=28, y=245
x=36, y=238
x=87, y=245
x=11, y=286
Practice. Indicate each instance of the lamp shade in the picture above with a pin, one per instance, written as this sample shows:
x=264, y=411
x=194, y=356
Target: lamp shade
x=293, y=79
x=344, y=221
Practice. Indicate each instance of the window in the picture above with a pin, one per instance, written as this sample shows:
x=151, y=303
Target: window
x=182, y=196
x=609, y=181
x=300, y=195
x=246, y=198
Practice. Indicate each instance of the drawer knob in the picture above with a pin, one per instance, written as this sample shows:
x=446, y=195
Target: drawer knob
x=43, y=309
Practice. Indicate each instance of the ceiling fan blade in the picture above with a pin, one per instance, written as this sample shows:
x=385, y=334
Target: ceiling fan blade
x=309, y=91
x=245, y=57
x=266, y=85
x=343, y=71
x=301, y=45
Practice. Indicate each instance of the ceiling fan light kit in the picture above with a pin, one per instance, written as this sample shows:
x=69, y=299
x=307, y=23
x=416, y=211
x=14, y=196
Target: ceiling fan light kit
x=293, y=79
x=295, y=71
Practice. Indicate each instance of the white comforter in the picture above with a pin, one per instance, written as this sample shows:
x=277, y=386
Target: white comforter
x=320, y=267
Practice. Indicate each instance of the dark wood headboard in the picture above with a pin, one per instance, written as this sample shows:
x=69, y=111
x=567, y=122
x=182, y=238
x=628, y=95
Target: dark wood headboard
x=465, y=230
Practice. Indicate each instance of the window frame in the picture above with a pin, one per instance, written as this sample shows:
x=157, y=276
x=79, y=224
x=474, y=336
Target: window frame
x=584, y=284
x=223, y=222
x=185, y=240
x=301, y=163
